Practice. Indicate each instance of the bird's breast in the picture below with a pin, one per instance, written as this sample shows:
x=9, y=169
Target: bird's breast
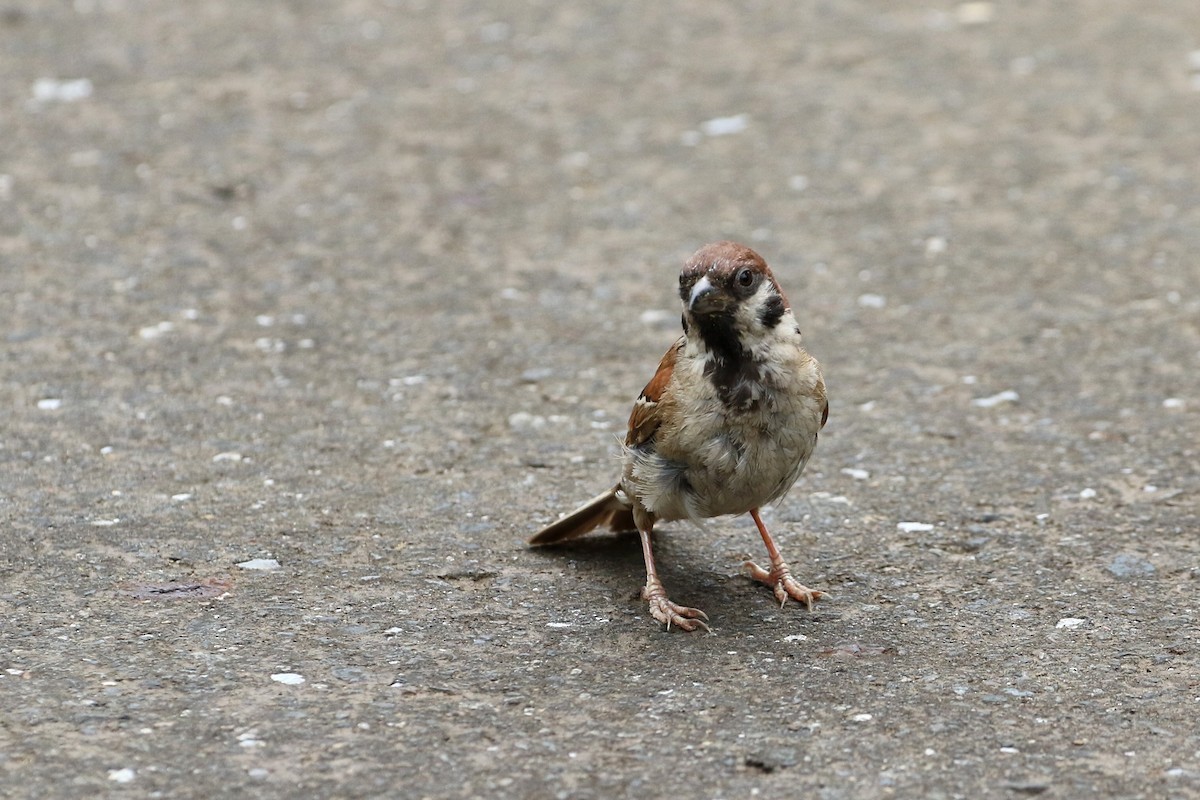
x=713, y=457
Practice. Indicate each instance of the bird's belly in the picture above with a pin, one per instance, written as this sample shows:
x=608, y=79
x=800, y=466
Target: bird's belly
x=724, y=469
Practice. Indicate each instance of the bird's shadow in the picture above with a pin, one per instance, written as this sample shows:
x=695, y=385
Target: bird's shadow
x=615, y=559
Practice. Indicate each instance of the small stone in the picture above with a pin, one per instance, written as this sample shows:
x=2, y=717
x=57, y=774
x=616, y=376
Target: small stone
x=656, y=316
x=121, y=775
x=51, y=90
x=536, y=374
x=1128, y=565
x=1087, y=494
x=288, y=678
x=1030, y=788
x=264, y=564
x=50, y=404
x=1069, y=623
x=914, y=527
x=872, y=300
x=857, y=474
x=1007, y=396
x=725, y=126
x=524, y=421
x=975, y=13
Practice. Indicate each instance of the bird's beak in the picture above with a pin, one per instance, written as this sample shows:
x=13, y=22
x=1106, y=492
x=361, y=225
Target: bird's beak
x=703, y=296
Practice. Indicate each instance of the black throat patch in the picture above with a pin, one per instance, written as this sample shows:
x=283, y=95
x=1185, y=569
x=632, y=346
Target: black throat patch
x=734, y=371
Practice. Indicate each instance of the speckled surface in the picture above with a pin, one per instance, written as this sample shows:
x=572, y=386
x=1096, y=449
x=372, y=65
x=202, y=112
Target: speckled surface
x=366, y=289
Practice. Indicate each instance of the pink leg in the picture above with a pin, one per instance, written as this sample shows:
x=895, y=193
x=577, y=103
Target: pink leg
x=779, y=578
x=662, y=609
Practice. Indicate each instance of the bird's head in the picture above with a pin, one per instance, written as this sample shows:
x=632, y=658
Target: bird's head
x=728, y=285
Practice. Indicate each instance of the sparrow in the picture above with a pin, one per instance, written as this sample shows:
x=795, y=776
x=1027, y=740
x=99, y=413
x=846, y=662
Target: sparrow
x=725, y=426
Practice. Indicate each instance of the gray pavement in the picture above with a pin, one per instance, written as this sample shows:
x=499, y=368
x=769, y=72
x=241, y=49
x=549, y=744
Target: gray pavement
x=363, y=291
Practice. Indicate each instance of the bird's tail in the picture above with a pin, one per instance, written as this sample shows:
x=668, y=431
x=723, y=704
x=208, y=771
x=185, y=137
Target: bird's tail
x=606, y=509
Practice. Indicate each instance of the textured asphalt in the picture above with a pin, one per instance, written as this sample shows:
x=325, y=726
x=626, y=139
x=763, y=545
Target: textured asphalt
x=356, y=295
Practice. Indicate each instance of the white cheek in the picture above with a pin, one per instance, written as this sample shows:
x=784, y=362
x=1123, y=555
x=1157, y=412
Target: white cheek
x=747, y=312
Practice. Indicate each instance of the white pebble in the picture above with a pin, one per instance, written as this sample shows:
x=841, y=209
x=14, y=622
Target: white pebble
x=270, y=345
x=1087, y=494
x=798, y=183
x=1174, y=402
x=156, y=330
x=523, y=420
x=249, y=739
x=862, y=718
x=265, y=564
x=288, y=678
x=235, y=457
x=935, y=245
x=914, y=527
x=105, y=523
x=1007, y=396
x=121, y=775
x=51, y=90
x=50, y=404
x=796, y=637
x=1070, y=623
x=654, y=316
x=872, y=300
x=724, y=126
x=975, y=13
x=857, y=474
x=560, y=624
x=181, y=497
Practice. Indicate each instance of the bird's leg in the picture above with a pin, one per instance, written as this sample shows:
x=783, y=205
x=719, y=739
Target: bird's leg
x=662, y=609
x=779, y=578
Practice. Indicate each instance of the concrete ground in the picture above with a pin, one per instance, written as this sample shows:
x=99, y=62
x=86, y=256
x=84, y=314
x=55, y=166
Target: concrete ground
x=312, y=312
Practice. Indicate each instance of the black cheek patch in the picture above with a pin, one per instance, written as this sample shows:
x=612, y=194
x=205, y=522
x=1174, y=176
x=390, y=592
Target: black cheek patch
x=771, y=312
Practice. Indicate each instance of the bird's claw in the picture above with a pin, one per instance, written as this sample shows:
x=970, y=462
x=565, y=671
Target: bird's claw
x=780, y=579
x=663, y=610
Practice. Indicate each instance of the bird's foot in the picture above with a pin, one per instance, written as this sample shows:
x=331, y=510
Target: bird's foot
x=663, y=610
x=780, y=579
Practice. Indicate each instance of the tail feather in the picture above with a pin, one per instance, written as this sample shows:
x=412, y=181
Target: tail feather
x=604, y=509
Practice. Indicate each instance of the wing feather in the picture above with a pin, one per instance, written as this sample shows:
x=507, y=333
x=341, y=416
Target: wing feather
x=644, y=419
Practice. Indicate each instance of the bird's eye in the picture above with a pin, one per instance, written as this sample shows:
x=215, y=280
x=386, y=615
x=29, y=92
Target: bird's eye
x=745, y=277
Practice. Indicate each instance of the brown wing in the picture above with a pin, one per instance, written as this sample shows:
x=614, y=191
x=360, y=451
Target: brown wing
x=644, y=419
